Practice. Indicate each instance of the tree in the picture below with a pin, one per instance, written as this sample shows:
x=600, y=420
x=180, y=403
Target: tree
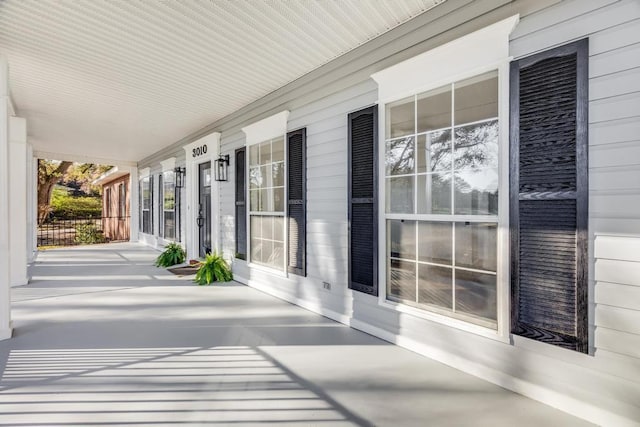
x=50, y=172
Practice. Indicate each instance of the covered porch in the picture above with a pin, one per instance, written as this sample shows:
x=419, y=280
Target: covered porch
x=103, y=337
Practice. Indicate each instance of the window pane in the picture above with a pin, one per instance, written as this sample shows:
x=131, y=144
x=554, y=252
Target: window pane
x=278, y=199
x=400, y=156
x=254, y=154
x=400, y=194
x=267, y=227
x=265, y=174
x=278, y=174
x=277, y=150
x=476, y=245
x=278, y=228
x=402, y=280
x=434, y=193
x=401, y=118
x=266, y=200
x=476, y=193
x=435, y=285
x=265, y=153
x=255, y=177
x=434, y=244
x=402, y=239
x=267, y=251
x=434, y=109
x=476, y=98
x=256, y=250
x=277, y=256
x=256, y=226
x=476, y=146
x=476, y=294
x=254, y=200
x=434, y=152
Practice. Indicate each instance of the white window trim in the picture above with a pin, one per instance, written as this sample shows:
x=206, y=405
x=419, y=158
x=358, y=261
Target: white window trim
x=269, y=128
x=476, y=53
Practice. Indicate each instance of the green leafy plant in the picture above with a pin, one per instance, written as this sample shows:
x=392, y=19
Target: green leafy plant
x=173, y=254
x=88, y=233
x=213, y=269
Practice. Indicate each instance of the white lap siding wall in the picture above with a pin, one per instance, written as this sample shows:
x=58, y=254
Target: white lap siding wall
x=602, y=386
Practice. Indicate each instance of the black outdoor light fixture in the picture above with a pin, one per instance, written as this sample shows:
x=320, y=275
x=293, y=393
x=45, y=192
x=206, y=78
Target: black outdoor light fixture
x=180, y=172
x=222, y=168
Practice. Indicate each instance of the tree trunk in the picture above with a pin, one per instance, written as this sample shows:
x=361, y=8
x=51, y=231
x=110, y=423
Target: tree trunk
x=46, y=182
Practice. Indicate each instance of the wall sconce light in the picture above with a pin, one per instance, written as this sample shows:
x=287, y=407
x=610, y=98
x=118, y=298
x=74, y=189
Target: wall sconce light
x=180, y=173
x=222, y=168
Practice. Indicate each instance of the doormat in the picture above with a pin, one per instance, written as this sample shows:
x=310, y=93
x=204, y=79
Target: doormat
x=184, y=270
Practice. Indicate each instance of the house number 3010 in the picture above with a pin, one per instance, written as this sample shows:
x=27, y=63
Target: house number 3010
x=199, y=151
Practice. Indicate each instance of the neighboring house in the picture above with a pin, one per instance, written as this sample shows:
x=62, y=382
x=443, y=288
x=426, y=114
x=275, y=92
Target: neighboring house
x=116, y=208
x=461, y=188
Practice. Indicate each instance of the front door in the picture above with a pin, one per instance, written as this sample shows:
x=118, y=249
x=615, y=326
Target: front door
x=204, y=208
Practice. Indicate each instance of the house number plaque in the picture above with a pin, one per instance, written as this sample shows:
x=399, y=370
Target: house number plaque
x=199, y=151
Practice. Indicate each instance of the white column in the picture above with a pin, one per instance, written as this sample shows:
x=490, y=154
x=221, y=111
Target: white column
x=134, y=205
x=18, y=200
x=5, y=293
x=32, y=205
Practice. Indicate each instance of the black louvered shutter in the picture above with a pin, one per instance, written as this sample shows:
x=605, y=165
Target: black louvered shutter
x=297, y=201
x=241, y=205
x=151, y=202
x=549, y=196
x=160, y=206
x=363, y=218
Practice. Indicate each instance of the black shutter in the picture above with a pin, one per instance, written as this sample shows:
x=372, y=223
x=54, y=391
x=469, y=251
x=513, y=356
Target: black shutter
x=549, y=196
x=297, y=201
x=241, y=205
x=363, y=200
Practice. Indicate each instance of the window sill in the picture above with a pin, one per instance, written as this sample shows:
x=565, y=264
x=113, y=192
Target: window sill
x=445, y=320
x=264, y=269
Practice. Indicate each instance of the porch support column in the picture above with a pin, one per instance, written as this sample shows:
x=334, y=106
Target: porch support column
x=134, y=205
x=18, y=171
x=32, y=205
x=5, y=276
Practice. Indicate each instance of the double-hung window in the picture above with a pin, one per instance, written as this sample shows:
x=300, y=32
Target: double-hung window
x=267, y=203
x=145, y=196
x=441, y=182
x=168, y=205
x=443, y=172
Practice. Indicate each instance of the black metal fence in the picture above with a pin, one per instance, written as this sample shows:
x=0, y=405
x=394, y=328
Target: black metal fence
x=69, y=232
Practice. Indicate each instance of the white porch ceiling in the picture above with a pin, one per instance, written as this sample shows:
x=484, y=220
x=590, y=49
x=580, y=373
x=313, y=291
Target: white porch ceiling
x=122, y=79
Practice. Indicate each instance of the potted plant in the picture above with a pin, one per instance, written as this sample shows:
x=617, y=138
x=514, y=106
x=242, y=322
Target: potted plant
x=173, y=254
x=213, y=269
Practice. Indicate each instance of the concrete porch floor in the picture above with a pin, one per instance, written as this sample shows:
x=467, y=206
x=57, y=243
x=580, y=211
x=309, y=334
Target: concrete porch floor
x=101, y=337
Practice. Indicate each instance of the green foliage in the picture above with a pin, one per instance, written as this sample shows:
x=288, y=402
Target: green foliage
x=213, y=269
x=173, y=254
x=65, y=206
x=88, y=234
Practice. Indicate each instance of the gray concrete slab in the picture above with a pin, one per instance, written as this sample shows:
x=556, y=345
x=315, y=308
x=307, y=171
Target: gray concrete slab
x=104, y=338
